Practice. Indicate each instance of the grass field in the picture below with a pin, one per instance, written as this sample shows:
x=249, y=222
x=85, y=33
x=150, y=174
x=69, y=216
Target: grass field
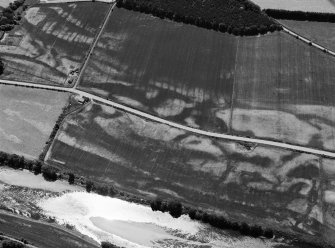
x=51, y=42
x=322, y=33
x=27, y=118
x=251, y=183
x=40, y=234
x=327, y=6
x=283, y=89
x=179, y=72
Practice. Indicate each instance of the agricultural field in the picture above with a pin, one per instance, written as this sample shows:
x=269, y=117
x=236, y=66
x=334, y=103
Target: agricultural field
x=27, y=118
x=326, y=6
x=282, y=87
x=179, y=72
x=285, y=94
x=250, y=182
x=322, y=33
x=51, y=43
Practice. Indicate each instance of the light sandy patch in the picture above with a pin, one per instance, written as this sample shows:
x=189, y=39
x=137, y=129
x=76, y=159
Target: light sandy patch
x=41, y=126
x=169, y=192
x=273, y=124
x=329, y=197
x=25, y=178
x=191, y=122
x=151, y=94
x=224, y=115
x=298, y=205
x=137, y=125
x=130, y=102
x=138, y=233
x=200, y=144
x=33, y=16
x=10, y=137
x=306, y=188
x=172, y=107
x=328, y=166
x=89, y=147
x=153, y=130
x=299, y=161
x=107, y=109
x=212, y=167
x=317, y=214
x=260, y=186
x=77, y=209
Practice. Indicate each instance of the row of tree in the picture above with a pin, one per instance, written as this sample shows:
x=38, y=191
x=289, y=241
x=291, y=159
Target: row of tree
x=234, y=17
x=176, y=209
x=10, y=16
x=54, y=131
x=300, y=15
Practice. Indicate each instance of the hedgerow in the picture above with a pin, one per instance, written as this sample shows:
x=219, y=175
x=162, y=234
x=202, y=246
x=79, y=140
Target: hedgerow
x=300, y=15
x=238, y=17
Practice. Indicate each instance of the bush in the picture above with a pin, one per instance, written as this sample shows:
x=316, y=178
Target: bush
x=71, y=178
x=175, y=209
x=2, y=67
x=49, y=173
x=37, y=168
x=89, y=186
x=156, y=205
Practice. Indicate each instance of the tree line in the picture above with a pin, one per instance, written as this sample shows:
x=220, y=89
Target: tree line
x=176, y=209
x=238, y=17
x=300, y=15
x=10, y=16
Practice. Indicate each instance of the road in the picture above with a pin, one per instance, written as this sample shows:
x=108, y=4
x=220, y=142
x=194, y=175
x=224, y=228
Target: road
x=304, y=39
x=173, y=124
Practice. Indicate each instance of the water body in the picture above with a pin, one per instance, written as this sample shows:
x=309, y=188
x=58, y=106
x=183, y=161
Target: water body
x=133, y=225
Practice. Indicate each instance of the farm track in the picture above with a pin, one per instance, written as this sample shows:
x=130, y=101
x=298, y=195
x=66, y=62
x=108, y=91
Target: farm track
x=173, y=124
x=96, y=39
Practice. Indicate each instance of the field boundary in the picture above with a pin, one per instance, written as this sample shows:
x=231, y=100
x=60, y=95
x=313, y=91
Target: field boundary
x=90, y=50
x=142, y=114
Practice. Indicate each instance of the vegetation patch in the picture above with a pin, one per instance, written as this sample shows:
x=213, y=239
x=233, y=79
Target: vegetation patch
x=52, y=42
x=240, y=17
x=149, y=159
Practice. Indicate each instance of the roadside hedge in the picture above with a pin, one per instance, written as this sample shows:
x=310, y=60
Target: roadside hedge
x=300, y=15
x=238, y=17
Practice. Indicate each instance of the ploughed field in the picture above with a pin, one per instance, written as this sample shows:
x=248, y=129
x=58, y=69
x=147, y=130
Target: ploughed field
x=52, y=42
x=327, y=6
x=272, y=86
x=322, y=33
x=258, y=184
x=27, y=118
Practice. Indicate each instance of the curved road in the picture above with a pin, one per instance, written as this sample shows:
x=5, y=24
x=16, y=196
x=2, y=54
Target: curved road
x=173, y=124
